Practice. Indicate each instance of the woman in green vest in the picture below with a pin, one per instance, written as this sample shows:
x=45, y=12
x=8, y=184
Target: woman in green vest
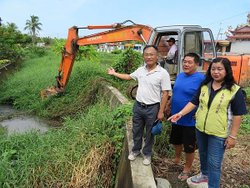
x=220, y=107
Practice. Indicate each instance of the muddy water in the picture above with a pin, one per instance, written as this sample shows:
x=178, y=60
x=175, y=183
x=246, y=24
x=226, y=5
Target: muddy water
x=16, y=122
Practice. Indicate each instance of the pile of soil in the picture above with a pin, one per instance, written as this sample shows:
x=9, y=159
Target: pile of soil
x=235, y=169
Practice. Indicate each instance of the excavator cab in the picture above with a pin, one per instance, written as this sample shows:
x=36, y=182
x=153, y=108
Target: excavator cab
x=188, y=38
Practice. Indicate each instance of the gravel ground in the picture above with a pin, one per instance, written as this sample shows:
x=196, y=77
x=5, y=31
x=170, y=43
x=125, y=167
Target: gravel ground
x=235, y=169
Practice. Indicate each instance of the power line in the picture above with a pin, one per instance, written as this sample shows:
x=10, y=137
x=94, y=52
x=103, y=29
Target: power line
x=235, y=16
x=228, y=18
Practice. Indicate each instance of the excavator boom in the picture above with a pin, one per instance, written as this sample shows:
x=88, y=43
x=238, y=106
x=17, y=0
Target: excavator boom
x=118, y=32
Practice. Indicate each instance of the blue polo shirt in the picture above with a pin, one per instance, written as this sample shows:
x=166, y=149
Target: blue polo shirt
x=184, y=89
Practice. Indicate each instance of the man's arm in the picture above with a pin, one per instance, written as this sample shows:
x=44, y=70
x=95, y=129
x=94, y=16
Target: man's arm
x=164, y=100
x=238, y=108
x=111, y=71
x=188, y=108
x=167, y=110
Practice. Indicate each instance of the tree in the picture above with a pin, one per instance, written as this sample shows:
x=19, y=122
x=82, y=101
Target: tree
x=12, y=27
x=33, y=25
x=12, y=43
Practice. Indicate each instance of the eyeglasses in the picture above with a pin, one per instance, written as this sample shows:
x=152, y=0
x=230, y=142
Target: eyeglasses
x=149, y=55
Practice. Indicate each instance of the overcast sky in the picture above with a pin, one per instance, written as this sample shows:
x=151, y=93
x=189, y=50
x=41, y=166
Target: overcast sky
x=57, y=16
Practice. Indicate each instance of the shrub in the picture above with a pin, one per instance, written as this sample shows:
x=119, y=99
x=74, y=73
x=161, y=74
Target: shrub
x=33, y=51
x=57, y=45
x=116, y=51
x=107, y=59
x=4, y=61
x=87, y=53
x=83, y=53
x=128, y=62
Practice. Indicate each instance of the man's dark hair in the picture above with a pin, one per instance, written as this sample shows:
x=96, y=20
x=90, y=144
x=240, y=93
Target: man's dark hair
x=228, y=80
x=150, y=46
x=171, y=40
x=195, y=56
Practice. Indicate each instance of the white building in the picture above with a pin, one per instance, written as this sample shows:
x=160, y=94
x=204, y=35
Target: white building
x=240, y=38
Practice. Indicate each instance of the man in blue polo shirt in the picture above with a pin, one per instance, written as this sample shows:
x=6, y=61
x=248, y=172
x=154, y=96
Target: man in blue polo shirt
x=183, y=131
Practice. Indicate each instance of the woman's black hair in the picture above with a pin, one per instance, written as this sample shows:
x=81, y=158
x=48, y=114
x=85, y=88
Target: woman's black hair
x=150, y=46
x=228, y=80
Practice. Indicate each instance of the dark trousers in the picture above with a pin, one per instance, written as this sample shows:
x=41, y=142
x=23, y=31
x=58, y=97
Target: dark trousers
x=144, y=117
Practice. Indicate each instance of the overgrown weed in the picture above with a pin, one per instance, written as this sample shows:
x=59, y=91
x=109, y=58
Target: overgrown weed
x=65, y=157
x=54, y=159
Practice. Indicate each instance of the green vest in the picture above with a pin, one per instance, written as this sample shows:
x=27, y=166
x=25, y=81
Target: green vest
x=216, y=120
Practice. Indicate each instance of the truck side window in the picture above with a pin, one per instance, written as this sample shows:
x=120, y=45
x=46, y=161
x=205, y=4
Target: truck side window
x=192, y=42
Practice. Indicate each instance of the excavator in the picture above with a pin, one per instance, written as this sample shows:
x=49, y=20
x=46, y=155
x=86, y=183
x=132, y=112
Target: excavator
x=189, y=38
x=117, y=32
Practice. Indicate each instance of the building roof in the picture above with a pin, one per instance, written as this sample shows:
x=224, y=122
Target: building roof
x=240, y=33
x=243, y=29
x=240, y=36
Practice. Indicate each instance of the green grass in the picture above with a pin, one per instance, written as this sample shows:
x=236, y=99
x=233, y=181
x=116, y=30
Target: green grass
x=32, y=159
x=23, y=89
x=4, y=61
x=162, y=145
x=108, y=59
x=245, y=128
x=90, y=128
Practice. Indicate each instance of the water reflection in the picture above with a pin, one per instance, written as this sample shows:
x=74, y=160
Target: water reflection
x=6, y=110
x=20, y=123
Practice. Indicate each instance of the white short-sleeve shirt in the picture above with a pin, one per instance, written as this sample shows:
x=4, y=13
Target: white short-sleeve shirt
x=171, y=52
x=151, y=84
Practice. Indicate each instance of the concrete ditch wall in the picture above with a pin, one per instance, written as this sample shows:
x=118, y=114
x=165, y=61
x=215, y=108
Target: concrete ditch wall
x=131, y=174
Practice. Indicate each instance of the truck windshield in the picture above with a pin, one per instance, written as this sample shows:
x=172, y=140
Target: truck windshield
x=199, y=42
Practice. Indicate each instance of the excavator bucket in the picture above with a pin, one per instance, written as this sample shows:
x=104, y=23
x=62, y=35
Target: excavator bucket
x=51, y=91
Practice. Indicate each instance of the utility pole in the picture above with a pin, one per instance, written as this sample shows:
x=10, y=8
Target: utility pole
x=248, y=18
x=219, y=33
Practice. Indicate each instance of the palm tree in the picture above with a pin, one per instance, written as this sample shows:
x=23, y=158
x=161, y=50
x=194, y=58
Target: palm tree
x=33, y=25
x=12, y=27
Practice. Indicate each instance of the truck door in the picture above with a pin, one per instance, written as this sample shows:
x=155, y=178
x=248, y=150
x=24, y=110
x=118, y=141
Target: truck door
x=200, y=41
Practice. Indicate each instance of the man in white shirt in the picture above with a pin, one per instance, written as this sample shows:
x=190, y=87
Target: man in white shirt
x=151, y=98
x=170, y=66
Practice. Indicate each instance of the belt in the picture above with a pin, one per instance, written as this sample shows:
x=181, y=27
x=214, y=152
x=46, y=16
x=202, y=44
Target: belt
x=142, y=104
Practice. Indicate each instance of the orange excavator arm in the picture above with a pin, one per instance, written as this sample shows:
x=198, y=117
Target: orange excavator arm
x=115, y=33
